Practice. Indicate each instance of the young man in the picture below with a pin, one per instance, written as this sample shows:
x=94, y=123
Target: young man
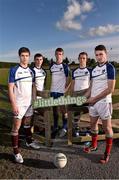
x=81, y=81
x=81, y=76
x=40, y=73
x=102, y=86
x=59, y=85
x=21, y=80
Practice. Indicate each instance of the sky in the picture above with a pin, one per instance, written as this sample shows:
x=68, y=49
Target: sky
x=44, y=25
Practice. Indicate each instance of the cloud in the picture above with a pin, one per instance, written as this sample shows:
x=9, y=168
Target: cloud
x=86, y=6
x=74, y=9
x=66, y=25
x=72, y=49
x=103, y=30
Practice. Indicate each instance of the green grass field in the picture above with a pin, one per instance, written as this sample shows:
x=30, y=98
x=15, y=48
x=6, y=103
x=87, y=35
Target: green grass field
x=5, y=107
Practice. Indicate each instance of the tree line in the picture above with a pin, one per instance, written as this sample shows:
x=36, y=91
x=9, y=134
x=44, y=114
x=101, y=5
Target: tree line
x=90, y=63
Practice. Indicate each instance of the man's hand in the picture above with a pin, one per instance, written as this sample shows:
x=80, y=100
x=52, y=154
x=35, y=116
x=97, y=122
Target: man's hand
x=91, y=100
x=15, y=110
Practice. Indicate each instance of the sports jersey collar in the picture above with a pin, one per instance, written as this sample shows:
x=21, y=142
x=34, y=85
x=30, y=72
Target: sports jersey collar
x=100, y=65
x=23, y=67
x=57, y=63
x=82, y=68
x=38, y=68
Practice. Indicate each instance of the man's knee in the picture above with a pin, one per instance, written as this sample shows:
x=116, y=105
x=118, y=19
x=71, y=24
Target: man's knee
x=14, y=131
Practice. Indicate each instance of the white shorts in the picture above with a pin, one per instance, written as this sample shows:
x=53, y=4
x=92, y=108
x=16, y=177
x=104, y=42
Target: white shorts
x=24, y=111
x=102, y=110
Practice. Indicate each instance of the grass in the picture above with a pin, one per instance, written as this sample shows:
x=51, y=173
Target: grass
x=4, y=76
x=115, y=99
x=117, y=82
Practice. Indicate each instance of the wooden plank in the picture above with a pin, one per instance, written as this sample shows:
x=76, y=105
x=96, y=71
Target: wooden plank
x=69, y=124
x=88, y=138
x=47, y=127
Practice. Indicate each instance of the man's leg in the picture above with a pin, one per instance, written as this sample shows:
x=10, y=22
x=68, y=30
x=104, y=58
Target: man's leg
x=109, y=139
x=63, y=110
x=55, y=116
x=27, y=128
x=15, y=134
x=94, y=134
x=15, y=140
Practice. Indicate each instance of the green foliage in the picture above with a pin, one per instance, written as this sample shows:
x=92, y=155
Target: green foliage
x=7, y=64
x=4, y=76
x=117, y=81
x=115, y=114
x=115, y=99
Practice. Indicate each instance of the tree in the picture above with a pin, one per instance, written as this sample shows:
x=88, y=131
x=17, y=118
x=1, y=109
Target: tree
x=91, y=62
x=66, y=60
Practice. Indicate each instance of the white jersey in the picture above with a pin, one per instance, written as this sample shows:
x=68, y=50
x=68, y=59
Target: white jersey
x=100, y=76
x=59, y=73
x=81, y=76
x=23, y=79
x=40, y=76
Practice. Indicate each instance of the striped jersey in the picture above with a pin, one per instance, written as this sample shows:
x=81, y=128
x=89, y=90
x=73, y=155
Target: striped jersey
x=100, y=76
x=59, y=73
x=23, y=79
x=81, y=77
x=40, y=76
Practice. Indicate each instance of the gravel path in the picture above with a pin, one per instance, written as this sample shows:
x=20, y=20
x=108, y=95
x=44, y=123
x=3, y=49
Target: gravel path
x=38, y=164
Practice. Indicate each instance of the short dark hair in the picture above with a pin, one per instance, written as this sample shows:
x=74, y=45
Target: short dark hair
x=100, y=48
x=38, y=55
x=23, y=49
x=59, y=50
x=83, y=53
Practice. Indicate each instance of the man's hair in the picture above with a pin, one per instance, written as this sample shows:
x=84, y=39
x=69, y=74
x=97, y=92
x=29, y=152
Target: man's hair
x=59, y=50
x=23, y=49
x=100, y=48
x=38, y=55
x=83, y=53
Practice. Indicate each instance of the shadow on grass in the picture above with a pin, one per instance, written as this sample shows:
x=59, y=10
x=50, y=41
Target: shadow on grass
x=6, y=156
x=37, y=163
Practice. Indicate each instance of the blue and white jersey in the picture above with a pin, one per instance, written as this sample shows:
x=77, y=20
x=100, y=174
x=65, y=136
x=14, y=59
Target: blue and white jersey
x=40, y=76
x=23, y=79
x=59, y=73
x=100, y=76
x=81, y=76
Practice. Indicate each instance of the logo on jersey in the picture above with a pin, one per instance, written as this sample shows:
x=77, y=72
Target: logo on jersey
x=103, y=71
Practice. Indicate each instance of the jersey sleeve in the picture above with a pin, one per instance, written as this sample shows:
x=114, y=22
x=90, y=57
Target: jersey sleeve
x=11, y=78
x=90, y=72
x=33, y=74
x=73, y=75
x=111, y=72
x=66, y=70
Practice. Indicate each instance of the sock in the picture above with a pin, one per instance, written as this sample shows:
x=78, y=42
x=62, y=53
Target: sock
x=15, y=140
x=28, y=134
x=94, y=140
x=109, y=141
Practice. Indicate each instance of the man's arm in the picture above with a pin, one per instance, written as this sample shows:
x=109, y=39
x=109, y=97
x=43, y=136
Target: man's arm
x=68, y=84
x=34, y=91
x=108, y=90
x=12, y=98
x=88, y=92
x=72, y=86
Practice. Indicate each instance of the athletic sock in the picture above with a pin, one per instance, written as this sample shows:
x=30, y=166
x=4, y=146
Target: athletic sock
x=28, y=134
x=15, y=140
x=109, y=141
